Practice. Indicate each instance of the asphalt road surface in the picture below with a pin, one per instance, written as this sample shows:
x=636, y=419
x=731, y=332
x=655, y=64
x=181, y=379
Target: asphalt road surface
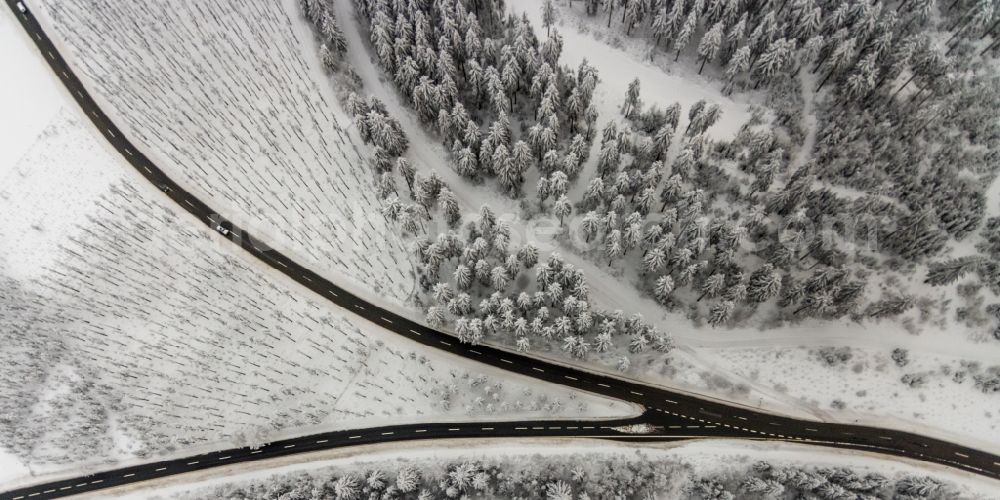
x=679, y=414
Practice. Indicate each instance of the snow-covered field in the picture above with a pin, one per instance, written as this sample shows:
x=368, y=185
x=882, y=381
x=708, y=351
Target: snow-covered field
x=679, y=464
x=229, y=99
x=132, y=331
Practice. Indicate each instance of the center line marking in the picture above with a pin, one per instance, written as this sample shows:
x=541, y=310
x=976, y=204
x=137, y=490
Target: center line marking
x=387, y=320
x=670, y=401
x=487, y=428
x=128, y=475
x=307, y=278
x=810, y=429
x=571, y=378
x=506, y=361
x=388, y=433
x=603, y=385
x=98, y=481
x=475, y=352
x=963, y=455
x=321, y=441
x=453, y=429
x=414, y=332
x=445, y=343
x=332, y=293
x=192, y=463
x=254, y=452
x=161, y=469
x=225, y=458
x=289, y=446
x=538, y=369
x=636, y=393
x=420, y=430
x=354, y=437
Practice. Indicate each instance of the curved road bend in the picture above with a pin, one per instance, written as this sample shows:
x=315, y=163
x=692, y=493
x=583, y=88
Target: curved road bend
x=697, y=411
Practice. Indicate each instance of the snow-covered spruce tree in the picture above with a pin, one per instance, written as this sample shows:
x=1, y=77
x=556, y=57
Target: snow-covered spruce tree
x=470, y=71
x=554, y=307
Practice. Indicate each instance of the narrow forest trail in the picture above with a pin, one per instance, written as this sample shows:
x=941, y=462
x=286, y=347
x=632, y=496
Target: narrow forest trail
x=425, y=151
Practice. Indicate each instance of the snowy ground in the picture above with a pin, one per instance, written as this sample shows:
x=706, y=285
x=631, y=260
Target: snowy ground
x=702, y=458
x=133, y=331
x=228, y=98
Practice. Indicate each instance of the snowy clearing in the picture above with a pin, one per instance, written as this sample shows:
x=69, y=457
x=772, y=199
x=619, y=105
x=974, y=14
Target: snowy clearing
x=132, y=332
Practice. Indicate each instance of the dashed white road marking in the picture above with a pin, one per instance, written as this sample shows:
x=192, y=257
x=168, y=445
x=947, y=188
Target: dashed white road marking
x=227, y=457
x=289, y=446
x=387, y=320
x=321, y=441
x=414, y=332
x=570, y=378
x=282, y=264
x=384, y=434
x=128, y=151
x=147, y=169
x=192, y=463
x=161, y=469
x=420, y=430
x=741, y=418
x=473, y=351
x=538, y=369
x=98, y=481
x=110, y=132
x=487, y=428
x=306, y=278
x=331, y=292
x=520, y=428
x=604, y=385
x=445, y=343
x=810, y=429
x=354, y=437
x=963, y=455
x=254, y=452
x=453, y=429
x=129, y=475
x=506, y=361
x=636, y=393
x=670, y=401
x=887, y=438
x=189, y=203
